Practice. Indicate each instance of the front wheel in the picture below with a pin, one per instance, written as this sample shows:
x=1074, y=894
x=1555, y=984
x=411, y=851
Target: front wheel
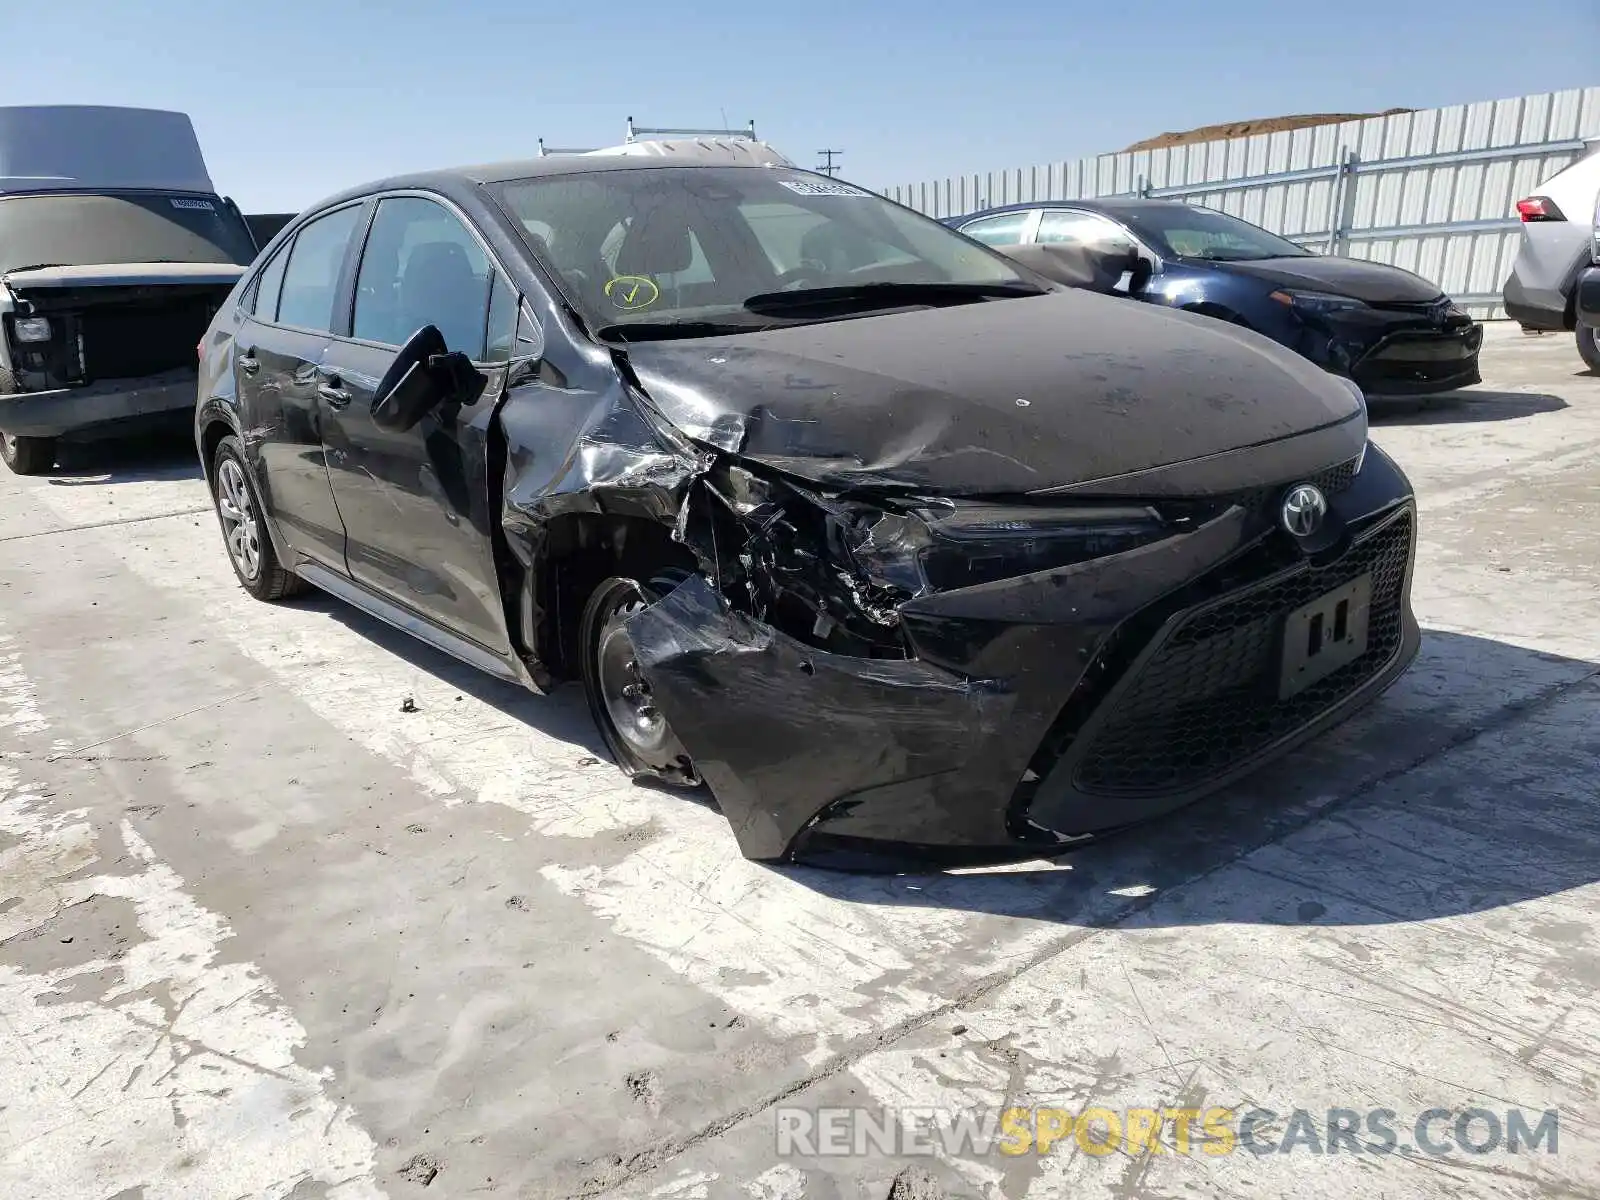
x=239, y=513
x=620, y=700
x=1589, y=346
x=27, y=455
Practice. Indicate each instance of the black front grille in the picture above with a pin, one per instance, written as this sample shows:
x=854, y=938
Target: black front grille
x=1420, y=308
x=1331, y=480
x=1208, y=699
x=124, y=341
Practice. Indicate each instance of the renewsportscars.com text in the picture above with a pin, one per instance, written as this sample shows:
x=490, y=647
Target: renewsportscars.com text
x=1214, y=1132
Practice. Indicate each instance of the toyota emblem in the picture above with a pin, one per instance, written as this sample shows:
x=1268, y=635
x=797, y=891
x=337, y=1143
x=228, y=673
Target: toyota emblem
x=1303, y=510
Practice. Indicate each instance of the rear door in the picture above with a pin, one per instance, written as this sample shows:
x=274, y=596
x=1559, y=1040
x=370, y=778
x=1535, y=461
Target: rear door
x=416, y=506
x=280, y=348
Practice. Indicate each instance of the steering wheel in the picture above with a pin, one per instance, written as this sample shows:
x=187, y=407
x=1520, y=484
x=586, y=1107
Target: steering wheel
x=807, y=272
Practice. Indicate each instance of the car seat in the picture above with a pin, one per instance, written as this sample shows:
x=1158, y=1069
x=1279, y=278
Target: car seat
x=439, y=287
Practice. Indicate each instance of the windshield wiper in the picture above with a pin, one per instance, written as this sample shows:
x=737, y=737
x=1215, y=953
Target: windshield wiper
x=649, y=331
x=884, y=293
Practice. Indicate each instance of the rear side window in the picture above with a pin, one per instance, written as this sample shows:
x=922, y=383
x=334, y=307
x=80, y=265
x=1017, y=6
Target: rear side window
x=311, y=276
x=268, y=285
x=1004, y=230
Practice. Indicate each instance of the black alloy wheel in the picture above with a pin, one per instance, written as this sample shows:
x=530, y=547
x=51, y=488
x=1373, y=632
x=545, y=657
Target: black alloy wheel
x=620, y=700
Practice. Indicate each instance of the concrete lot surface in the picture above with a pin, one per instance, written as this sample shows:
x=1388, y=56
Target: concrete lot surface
x=263, y=934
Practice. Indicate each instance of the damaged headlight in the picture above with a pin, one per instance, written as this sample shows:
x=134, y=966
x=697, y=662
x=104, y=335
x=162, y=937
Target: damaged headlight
x=940, y=547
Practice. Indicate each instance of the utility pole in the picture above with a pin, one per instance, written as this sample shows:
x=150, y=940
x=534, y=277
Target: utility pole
x=829, y=168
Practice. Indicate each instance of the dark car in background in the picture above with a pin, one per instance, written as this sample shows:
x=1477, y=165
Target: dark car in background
x=115, y=253
x=888, y=540
x=1391, y=331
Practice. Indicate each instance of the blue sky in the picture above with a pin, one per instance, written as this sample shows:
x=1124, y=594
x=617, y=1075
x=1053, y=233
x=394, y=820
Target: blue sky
x=294, y=99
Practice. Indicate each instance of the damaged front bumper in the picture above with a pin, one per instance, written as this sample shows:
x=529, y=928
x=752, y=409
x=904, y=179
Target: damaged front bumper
x=1037, y=710
x=1399, y=351
x=106, y=402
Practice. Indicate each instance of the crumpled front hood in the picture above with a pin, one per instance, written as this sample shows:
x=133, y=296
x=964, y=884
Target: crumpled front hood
x=1370, y=282
x=996, y=398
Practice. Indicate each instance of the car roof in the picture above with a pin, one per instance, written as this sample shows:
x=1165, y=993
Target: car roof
x=1126, y=207
x=456, y=180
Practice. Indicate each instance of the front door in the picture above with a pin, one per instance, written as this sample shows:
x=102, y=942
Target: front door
x=416, y=507
x=280, y=348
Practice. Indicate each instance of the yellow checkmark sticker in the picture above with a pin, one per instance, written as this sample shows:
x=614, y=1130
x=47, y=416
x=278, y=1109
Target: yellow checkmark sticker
x=632, y=292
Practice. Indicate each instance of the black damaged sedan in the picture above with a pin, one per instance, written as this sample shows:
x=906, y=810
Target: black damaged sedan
x=888, y=541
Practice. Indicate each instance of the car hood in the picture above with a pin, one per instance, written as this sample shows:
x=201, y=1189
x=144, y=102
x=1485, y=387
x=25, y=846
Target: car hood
x=1370, y=282
x=121, y=275
x=997, y=398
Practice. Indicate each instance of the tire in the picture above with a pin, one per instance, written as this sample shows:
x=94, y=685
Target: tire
x=648, y=748
x=1589, y=346
x=28, y=455
x=239, y=513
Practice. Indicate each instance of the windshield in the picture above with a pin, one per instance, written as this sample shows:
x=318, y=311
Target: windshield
x=1185, y=231
x=122, y=227
x=670, y=246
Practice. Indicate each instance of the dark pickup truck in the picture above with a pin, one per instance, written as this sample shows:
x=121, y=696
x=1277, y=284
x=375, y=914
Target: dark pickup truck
x=103, y=298
x=115, y=253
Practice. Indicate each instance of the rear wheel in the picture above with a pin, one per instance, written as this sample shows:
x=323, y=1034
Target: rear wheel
x=620, y=699
x=239, y=512
x=1589, y=346
x=28, y=455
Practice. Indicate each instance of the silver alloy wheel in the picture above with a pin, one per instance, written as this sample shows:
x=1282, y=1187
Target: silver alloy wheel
x=1594, y=336
x=238, y=515
x=9, y=440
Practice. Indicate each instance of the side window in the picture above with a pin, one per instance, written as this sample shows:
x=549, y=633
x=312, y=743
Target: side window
x=311, y=274
x=502, y=320
x=1083, y=229
x=422, y=267
x=1003, y=230
x=264, y=304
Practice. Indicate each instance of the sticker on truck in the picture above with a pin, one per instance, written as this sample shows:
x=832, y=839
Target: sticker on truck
x=807, y=188
x=198, y=205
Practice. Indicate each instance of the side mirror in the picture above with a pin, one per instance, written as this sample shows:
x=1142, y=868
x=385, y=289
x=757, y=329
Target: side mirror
x=424, y=375
x=1141, y=268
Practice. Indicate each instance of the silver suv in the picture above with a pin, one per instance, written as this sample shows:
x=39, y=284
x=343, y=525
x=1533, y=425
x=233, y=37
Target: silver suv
x=1558, y=242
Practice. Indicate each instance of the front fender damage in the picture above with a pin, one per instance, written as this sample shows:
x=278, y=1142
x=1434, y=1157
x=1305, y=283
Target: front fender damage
x=781, y=730
x=619, y=468
x=780, y=664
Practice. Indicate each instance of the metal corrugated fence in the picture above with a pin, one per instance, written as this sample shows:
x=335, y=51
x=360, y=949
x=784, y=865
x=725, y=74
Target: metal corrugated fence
x=1431, y=191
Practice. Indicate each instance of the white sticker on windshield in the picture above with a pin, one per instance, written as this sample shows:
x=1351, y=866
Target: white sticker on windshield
x=200, y=205
x=807, y=187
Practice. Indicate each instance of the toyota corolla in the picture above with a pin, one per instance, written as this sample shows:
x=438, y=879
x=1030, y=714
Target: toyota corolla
x=888, y=541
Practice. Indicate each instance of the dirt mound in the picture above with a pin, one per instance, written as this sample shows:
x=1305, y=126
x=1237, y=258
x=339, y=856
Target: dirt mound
x=1239, y=129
